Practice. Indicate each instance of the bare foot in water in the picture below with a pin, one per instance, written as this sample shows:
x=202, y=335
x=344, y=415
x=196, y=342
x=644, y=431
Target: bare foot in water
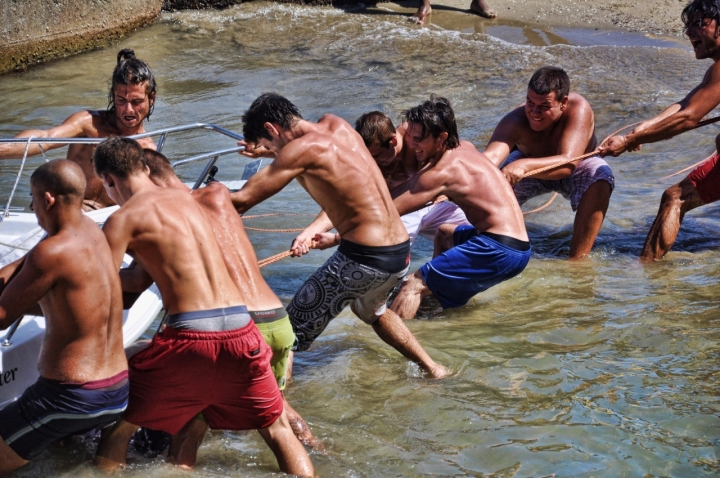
x=438, y=371
x=482, y=9
x=422, y=14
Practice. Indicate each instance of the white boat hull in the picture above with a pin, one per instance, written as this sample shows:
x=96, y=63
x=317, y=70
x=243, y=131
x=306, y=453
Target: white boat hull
x=18, y=360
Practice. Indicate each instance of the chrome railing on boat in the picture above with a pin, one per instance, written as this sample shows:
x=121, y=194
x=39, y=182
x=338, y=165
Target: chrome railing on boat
x=162, y=133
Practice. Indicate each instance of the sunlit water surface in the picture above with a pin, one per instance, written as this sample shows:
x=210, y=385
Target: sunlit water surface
x=602, y=367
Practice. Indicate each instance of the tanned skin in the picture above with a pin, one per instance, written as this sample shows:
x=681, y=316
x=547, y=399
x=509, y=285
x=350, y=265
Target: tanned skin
x=330, y=160
x=548, y=131
x=704, y=36
x=170, y=237
x=80, y=299
x=132, y=105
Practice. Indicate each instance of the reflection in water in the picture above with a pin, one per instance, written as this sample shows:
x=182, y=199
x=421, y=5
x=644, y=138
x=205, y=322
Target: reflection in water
x=602, y=367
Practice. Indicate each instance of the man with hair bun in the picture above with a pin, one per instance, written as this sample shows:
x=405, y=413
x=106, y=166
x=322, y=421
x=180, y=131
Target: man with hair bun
x=83, y=380
x=555, y=125
x=468, y=258
x=702, y=186
x=131, y=100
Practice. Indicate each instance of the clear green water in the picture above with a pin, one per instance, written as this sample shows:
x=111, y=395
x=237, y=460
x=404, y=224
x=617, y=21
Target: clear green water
x=599, y=368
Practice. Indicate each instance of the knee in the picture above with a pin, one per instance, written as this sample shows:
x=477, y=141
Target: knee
x=445, y=234
x=671, y=196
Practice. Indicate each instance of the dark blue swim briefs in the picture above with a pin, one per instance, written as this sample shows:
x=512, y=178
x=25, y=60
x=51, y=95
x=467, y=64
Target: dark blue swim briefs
x=476, y=263
x=49, y=410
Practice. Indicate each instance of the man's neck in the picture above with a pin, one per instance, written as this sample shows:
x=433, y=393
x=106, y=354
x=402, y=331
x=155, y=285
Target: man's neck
x=122, y=130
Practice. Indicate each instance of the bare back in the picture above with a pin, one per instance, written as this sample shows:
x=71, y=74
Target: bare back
x=81, y=301
x=170, y=236
x=472, y=182
x=235, y=246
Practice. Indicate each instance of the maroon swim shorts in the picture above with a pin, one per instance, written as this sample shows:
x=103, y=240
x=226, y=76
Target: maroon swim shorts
x=706, y=179
x=224, y=375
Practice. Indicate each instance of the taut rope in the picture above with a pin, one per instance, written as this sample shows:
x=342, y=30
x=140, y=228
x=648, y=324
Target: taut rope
x=282, y=255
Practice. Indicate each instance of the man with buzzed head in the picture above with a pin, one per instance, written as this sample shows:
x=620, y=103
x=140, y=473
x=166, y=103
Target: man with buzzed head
x=389, y=148
x=702, y=186
x=130, y=102
x=83, y=380
x=472, y=258
x=330, y=161
x=209, y=357
x=264, y=306
x=553, y=126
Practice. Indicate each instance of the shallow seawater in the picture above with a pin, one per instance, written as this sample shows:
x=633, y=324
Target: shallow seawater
x=602, y=367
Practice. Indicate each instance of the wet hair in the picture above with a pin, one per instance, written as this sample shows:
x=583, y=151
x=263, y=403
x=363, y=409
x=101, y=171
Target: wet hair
x=375, y=127
x=62, y=177
x=132, y=71
x=700, y=9
x=159, y=166
x=268, y=108
x=435, y=116
x=550, y=78
x=118, y=156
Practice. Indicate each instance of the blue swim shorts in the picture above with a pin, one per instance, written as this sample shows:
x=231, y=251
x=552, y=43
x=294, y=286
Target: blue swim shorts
x=476, y=263
x=49, y=410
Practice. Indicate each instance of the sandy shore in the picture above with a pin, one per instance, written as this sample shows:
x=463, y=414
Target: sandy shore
x=654, y=17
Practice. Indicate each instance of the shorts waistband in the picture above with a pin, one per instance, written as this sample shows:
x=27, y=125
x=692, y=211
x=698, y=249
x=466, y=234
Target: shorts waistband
x=390, y=259
x=207, y=314
x=508, y=241
x=184, y=334
x=107, y=383
x=267, y=316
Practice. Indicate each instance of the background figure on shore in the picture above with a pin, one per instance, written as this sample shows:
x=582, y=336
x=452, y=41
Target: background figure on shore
x=130, y=102
x=264, y=306
x=83, y=380
x=209, y=334
x=477, y=6
x=397, y=162
x=330, y=161
x=555, y=125
x=470, y=258
x=702, y=186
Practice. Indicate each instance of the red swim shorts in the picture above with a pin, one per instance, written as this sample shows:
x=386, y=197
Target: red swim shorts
x=706, y=179
x=224, y=375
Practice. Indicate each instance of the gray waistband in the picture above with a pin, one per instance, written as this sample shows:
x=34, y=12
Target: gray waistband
x=215, y=320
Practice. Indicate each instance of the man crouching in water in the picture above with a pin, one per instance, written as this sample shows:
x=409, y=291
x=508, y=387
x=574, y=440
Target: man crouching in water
x=83, y=380
x=130, y=102
x=264, y=306
x=209, y=336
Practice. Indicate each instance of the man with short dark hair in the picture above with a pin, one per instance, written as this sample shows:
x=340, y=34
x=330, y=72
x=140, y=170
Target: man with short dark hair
x=702, y=186
x=330, y=161
x=470, y=258
x=130, y=102
x=389, y=148
x=209, y=334
x=555, y=125
x=83, y=380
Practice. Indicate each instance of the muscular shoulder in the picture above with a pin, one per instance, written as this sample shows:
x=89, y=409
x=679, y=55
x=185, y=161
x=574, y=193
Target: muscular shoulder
x=578, y=105
x=214, y=195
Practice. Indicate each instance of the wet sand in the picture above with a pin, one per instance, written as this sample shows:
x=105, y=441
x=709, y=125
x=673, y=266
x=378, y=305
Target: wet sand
x=654, y=17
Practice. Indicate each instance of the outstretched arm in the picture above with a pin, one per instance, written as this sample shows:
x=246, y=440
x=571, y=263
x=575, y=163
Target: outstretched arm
x=72, y=127
x=28, y=285
x=301, y=244
x=420, y=190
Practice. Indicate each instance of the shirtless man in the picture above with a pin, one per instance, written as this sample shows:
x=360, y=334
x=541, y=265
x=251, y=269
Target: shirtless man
x=264, y=306
x=330, y=161
x=470, y=258
x=397, y=162
x=83, y=380
x=476, y=6
x=555, y=125
x=210, y=357
x=702, y=186
x=131, y=101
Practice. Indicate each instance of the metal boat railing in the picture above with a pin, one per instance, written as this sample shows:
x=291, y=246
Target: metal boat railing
x=162, y=133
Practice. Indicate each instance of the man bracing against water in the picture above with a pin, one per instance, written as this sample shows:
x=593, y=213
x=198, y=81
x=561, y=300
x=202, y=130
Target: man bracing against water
x=264, y=306
x=209, y=357
x=702, y=186
x=83, y=380
x=131, y=102
x=397, y=162
x=330, y=161
x=555, y=125
x=470, y=259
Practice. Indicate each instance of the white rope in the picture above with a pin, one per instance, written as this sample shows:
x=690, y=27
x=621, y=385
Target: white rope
x=14, y=247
